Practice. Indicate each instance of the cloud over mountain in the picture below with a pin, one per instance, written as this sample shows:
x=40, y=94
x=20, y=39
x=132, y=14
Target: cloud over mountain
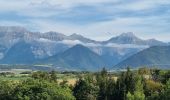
x=92, y=18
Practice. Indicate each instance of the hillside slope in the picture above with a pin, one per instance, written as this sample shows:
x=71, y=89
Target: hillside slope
x=157, y=55
x=20, y=53
x=77, y=57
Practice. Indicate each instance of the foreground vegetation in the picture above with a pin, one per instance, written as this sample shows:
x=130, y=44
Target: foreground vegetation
x=142, y=84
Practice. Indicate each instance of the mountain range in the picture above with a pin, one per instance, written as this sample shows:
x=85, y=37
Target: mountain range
x=20, y=46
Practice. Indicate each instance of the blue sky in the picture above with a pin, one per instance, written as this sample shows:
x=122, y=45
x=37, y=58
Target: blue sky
x=96, y=19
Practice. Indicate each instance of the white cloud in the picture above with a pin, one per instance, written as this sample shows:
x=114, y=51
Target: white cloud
x=127, y=45
x=143, y=4
x=70, y=42
x=144, y=27
x=38, y=14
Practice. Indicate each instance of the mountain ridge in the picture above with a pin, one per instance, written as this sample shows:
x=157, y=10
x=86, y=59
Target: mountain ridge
x=131, y=38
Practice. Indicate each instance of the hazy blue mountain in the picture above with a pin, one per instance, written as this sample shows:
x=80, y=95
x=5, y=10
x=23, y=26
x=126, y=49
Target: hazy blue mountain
x=115, y=55
x=19, y=53
x=3, y=49
x=156, y=55
x=77, y=57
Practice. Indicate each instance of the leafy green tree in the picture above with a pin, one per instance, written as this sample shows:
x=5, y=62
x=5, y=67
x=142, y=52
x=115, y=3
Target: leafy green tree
x=155, y=74
x=138, y=93
x=165, y=76
x=166, y=94
x=40, y=75
x=130, y=96
x=125, y=84
x=85, y=89
x=6, y=89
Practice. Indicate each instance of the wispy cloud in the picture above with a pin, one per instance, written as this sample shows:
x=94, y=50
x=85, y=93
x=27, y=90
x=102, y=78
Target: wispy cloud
x=99, y=19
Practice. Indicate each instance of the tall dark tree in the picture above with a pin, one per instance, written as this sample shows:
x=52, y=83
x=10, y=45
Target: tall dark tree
x=53, y=76
x=85, y=89
x=111, y=91
x=125, y=84
x=102, y=81
x=138, y=93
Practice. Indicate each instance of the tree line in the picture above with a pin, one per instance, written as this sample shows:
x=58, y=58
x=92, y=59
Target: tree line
x=143, y=84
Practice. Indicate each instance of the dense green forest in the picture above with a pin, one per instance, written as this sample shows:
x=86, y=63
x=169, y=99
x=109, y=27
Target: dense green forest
x=141, y=84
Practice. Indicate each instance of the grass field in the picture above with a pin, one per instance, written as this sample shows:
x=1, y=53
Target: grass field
x=69, y=81
x=15, y=75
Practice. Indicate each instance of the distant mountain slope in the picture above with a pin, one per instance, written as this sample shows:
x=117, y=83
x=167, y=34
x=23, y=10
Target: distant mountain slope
x=19, y=53
x=77, y=57
x=157, y=55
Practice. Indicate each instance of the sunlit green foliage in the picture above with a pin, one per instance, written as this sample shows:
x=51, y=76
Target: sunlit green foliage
x=41, y=90
x=129, y=85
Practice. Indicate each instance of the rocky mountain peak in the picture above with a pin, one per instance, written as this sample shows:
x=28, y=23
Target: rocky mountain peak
x=75, y=35
x=128, y=35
